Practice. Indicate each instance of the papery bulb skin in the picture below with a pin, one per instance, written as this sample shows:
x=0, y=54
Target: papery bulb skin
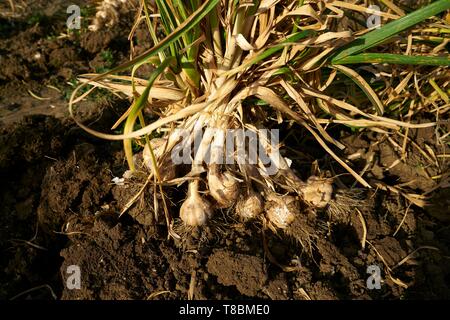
x=167, y=170
x=195, y=210
x=281, y=210
x=250, y=205
x=317, y=192
x=158, y=146
x=223, y=187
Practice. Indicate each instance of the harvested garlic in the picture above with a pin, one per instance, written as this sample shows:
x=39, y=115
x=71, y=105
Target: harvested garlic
x=195, y=210
x=250, y=205
x=281, y=210
x=223, y=187
x=317, y=191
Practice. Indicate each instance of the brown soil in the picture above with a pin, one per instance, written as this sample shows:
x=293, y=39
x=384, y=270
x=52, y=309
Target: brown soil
x=60, y=208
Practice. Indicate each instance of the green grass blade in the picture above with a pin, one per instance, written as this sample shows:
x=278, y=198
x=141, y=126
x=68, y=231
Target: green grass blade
x=180, y=6
x=167, y=17
x=169, y=22
x=364, y=86
x=394, y=59
x=441, y=92
x=376, y=37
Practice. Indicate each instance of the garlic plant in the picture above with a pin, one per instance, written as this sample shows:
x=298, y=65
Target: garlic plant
x=218, y=65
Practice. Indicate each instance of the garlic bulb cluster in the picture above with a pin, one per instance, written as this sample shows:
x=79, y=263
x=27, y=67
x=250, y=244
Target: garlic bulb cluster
x=250, y=205
x=195, y=210
x=281, y=210
x=317, y=192
x=226, y=190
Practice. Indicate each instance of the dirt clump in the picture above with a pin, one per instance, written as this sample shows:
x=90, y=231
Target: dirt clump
x=243, y=271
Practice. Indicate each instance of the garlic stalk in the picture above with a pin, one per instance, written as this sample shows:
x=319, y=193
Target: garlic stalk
x=197, y=166
x=284, y=174
x=224, y=188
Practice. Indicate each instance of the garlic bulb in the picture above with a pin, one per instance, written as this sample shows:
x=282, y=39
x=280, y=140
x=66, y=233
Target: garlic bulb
x=195, y=210
x=317, y=191
x=158, y=146
x=249, y=205
x=224, y=188
x=281, y=210
x=167, y=170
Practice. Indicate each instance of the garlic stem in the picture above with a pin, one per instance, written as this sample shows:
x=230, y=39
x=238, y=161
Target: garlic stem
x=282, y=170
x=205, y=143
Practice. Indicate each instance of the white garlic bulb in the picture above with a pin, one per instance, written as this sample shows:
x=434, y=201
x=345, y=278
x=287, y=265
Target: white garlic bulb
x=250, y=205
x=167, y=170
x=195, y=210
x=223, y=187
x=317, y=192
x=281, y=210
